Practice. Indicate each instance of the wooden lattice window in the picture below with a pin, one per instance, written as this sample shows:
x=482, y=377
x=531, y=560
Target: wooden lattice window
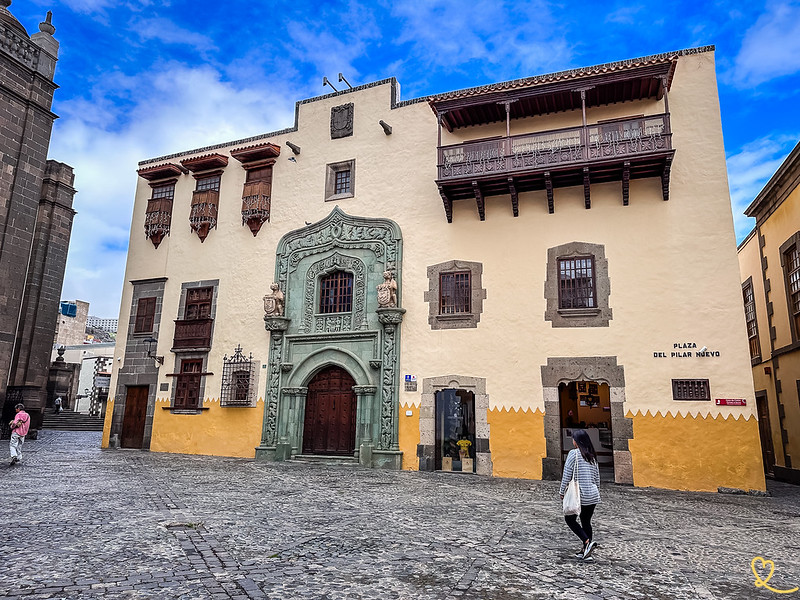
x=238, y=380
x=208, y=183
x=690, y=389
x=576, y=286
x=256, y=198
x=793, y=284
x=187, y=385
x=145, y=315
x=198, y=303
x=454, y=293
x=750, y=319
x=205, y=206
x=158, y=216
x=336, y=292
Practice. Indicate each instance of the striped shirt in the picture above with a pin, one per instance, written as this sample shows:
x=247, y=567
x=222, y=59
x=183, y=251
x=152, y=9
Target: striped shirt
x=588, y=477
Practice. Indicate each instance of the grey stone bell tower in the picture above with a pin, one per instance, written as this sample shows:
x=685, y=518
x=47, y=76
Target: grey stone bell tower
x=35, y=213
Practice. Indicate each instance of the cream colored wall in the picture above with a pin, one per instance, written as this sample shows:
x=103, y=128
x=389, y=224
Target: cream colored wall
x=673, y=267
x=750, y=266
x=777, y=229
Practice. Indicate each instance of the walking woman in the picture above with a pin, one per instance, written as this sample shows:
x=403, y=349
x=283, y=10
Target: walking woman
x=584, y=459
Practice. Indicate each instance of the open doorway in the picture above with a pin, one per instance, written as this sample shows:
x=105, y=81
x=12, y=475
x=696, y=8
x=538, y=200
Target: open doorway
x=587, y=405
x=455, y=430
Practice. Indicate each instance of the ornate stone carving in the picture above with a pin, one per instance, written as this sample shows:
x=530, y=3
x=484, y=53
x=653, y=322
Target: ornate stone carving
x=333, y=323
x=340, y=230
x=391, y=318
x=365, y=389
x=271, y=405
x=342, y=121
x=273, y=302
x=387, y=291
x=375, y=364
x=294, y=391
x=276, y=323
x=286, y=367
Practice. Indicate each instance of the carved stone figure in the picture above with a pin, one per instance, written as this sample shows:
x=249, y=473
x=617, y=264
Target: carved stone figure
x=387, y=291
x=273, y=302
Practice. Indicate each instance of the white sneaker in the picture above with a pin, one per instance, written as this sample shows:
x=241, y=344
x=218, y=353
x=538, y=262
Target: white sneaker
x=589, y=547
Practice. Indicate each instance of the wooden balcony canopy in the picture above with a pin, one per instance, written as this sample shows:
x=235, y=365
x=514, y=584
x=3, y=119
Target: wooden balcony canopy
x=632, y=147
x=162, y=171
x=256, y=153
x=636, y=79
x=205, y=162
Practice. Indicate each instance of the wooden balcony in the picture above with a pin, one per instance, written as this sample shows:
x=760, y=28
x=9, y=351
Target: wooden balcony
x=618, y=150
x=192, y=334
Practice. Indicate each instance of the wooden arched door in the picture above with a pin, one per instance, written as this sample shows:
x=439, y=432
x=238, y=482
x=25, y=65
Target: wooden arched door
x=330, y=420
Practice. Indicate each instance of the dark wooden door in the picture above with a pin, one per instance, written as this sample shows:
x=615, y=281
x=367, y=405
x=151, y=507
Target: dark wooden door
x=767, y=450
x=330, y=420
x=133, y=419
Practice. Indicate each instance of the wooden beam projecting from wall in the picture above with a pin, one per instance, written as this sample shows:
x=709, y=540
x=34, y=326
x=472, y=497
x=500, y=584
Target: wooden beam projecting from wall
x=665, y=178
x=587, y=200
x=448, y=205
x=479, y=200
x=514, y=198
x=626, y=179
x=548, y=184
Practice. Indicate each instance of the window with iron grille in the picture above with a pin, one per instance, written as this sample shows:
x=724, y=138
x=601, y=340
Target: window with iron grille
x=576, y=288
x=792, y=262
x=336, y=292
x=145, y=315
x=454, y=293
x=340, y=180
x=198, y=303
x=690, y=389
x=750, y=320
x=238, y=380
x=208, y=183
x=342, y=185
x=187, y=384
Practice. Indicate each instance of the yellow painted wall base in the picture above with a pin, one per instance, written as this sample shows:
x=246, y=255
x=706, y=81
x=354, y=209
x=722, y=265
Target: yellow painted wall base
x=696, y=453
x=218, y=431
x=409, y=436
x=107, y=423
x=517, y=443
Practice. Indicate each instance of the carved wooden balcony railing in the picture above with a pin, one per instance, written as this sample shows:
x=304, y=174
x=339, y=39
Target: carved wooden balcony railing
x=612, y=151
x=192, y=333
x=203, y=215
x=157, y=219
x=256, y=204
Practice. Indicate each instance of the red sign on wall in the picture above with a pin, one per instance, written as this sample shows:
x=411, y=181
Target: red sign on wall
x=731, y=402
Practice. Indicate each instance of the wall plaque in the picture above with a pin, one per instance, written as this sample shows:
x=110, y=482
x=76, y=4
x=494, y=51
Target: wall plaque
x=731, y=402
x=342, y=121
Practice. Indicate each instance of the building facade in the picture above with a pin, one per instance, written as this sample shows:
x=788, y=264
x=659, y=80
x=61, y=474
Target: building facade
x=71, y=325
x=769, y=258
x=453, y=282
x=109, y=325
x=35, y=215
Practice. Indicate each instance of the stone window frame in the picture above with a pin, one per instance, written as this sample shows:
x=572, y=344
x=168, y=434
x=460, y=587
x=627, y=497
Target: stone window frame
x=598, y=316
x=433, y=295
x=331, y=169
x=751, y=324
x=790, y=244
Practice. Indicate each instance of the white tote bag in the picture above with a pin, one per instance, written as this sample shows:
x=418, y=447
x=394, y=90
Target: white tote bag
x=572, y=497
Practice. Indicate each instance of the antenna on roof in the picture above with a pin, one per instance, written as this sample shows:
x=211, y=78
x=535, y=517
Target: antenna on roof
x=341, y=78
x=326, y=82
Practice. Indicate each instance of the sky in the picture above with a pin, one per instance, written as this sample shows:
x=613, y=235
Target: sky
x=142, y=79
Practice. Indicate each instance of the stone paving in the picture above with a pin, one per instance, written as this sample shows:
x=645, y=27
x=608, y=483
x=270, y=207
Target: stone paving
x=81, y=522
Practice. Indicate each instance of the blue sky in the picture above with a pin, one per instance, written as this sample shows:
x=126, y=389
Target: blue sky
x=140, y=79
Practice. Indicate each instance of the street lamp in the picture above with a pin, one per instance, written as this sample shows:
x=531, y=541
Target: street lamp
x=150, y=341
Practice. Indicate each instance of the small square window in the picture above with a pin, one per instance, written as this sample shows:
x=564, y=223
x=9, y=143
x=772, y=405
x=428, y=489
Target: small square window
x=340, y=180
x=691, y=390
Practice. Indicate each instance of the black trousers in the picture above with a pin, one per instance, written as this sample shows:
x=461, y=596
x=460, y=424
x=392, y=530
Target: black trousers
x=584, y=530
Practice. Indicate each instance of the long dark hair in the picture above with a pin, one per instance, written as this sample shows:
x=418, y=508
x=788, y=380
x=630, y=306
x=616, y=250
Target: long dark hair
x=585, y=445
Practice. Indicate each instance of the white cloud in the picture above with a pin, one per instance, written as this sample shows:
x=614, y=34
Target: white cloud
x=170, y=109
x=168, y=32
x=771, y=47
x=748, y=172
x=509, y=40
x=625, y=15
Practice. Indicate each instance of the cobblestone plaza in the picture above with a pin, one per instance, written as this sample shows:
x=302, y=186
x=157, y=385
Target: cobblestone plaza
x=80, y=522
